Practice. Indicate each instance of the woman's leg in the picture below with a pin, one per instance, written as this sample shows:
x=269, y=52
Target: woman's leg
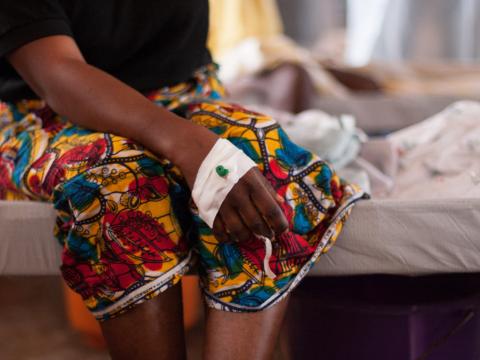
x=152, y=330
x=125, y=251
x=244, y=281
x=121, y=221
x=239, y=336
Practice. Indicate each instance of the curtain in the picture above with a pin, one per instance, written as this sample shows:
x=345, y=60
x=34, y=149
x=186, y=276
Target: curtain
x=413, y=30
x=232, y=21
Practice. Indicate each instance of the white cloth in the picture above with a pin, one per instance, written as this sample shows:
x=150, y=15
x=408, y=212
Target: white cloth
x=440, y=157
x=335, y=139
x=254, y=55
x=209, y=188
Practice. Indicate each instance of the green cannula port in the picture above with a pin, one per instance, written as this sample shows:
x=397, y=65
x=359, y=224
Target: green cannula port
x=221, y=170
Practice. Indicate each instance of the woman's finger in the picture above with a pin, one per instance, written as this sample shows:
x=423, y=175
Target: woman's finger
x=219, y=229
x=254, y=220
x=272, y=191
x=234, y=225
x=270, y=209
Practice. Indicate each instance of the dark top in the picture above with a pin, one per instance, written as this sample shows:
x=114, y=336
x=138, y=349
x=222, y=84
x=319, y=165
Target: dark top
x=144, y=43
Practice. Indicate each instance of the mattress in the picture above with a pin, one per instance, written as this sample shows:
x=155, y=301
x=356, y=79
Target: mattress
x=381, y=237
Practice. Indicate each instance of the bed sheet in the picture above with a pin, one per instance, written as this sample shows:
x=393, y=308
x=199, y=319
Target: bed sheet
x=381, y=237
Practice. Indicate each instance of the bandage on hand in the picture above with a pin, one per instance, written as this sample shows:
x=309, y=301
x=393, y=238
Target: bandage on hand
x=221, y=169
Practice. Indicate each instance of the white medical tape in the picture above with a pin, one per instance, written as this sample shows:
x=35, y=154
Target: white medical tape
x=268, y=254
x=210, y=189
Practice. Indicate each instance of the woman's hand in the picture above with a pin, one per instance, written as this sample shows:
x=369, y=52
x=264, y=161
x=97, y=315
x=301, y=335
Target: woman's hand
x=251, y=207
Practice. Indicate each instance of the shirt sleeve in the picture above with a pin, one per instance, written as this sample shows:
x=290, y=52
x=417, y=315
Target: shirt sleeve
x=23, y=21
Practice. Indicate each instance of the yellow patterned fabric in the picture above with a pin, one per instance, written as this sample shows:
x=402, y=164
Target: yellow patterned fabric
x=128, y=226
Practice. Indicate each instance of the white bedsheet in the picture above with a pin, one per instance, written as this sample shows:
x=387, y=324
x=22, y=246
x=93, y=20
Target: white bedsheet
x=440, y=156
x=381, y=237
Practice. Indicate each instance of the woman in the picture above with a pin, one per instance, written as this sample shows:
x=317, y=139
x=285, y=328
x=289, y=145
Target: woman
x=111, y=111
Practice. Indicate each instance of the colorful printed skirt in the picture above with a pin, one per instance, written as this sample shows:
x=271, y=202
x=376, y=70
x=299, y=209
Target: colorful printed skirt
x=126, y=221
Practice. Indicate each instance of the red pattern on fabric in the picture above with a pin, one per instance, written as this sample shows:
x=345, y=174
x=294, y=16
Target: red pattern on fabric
x=133, y=235
x=149, y=188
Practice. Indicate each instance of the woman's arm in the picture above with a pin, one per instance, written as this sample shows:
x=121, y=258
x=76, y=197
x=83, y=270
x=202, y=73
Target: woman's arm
x=56, y=70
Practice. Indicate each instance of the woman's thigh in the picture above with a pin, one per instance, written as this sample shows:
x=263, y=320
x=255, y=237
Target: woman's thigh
x=122, y=212
x=316, y=203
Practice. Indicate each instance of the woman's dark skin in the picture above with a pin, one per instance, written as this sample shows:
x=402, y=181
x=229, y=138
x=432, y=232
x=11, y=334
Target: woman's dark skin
x=56, y=70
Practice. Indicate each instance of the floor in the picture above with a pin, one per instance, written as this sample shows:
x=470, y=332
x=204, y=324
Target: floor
x=33, y=325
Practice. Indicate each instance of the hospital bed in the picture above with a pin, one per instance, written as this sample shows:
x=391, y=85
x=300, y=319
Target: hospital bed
x=343, y=300
x=381, y=237
x=399, y=252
